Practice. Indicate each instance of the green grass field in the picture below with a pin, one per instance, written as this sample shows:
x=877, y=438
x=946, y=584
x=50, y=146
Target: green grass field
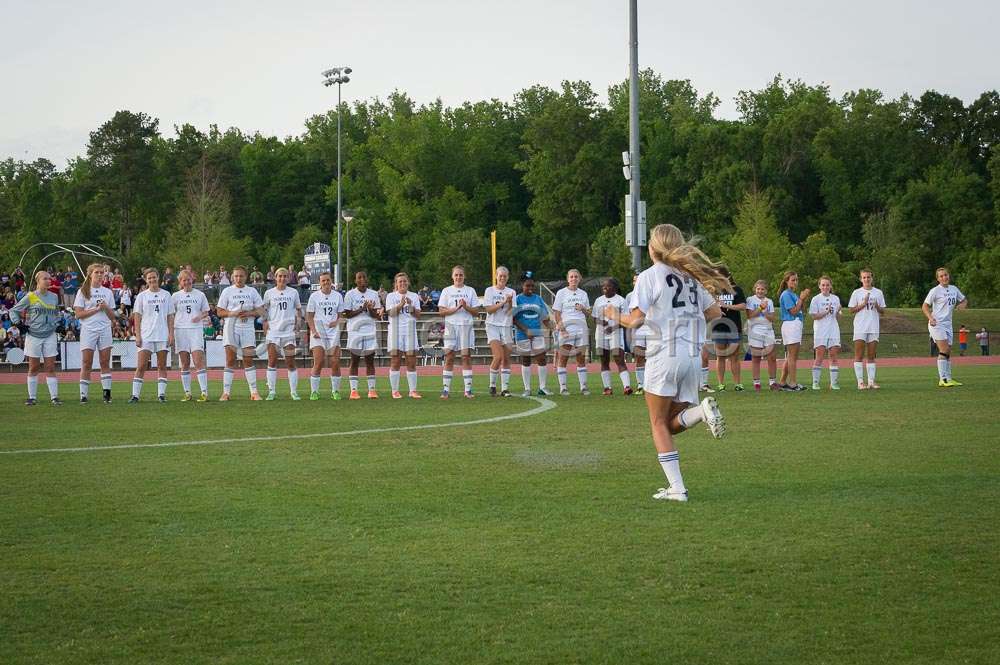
x=827, y=528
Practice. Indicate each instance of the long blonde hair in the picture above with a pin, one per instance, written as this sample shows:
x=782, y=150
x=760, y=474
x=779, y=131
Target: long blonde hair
x=85, y=287
x=667, y=245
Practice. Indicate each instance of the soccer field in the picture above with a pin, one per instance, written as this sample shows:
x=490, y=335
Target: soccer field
x=826, y=528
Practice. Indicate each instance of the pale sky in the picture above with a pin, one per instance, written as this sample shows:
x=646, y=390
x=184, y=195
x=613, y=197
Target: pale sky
x=66, y=67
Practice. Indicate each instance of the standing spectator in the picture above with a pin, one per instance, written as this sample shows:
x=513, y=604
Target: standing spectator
x=303, y=277
x=55, y=287
x=4, y=280
x=270, y=275
x=169, y=281
x=117, y=282
x=71, y=283
x=9, y=299
x=19, y=279
x=256, y=277
x=223, y=279
x=983, y=337
x=963, y=340
x=207, y=280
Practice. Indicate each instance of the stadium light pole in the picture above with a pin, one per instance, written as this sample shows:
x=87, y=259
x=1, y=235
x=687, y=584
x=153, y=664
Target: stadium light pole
x=338, y=75
x=348, y=218
x=633, y=137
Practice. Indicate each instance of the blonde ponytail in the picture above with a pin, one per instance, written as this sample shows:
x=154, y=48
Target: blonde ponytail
x=667, y=245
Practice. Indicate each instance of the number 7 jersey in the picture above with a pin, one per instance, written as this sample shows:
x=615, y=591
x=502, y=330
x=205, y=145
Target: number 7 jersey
x=674, y=304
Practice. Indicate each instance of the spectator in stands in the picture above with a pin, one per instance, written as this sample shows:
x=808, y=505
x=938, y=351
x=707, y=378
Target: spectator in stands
x=8, y=298
x=55, y=288
x=4, y=279
x=963, y=340
x=303, y=277
x=117, y=282
x=19, y=279
x=223, y=279
x=270, y=275
x=256, y=277
x=425, y=298
x=382, y=294
x=169, y=281
x=208, y=279
x=71, y=284
x=983, y=337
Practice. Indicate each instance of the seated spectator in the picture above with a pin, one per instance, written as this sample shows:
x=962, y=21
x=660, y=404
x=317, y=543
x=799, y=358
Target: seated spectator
x=304, y=277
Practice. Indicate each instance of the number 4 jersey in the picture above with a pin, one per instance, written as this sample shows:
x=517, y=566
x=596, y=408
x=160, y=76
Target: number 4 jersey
x=674, y=303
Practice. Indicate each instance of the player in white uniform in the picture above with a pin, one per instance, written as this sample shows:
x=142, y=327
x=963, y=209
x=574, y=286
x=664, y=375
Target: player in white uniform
x=636, y=340
x=867, y=304
x=238, y=306
x=672, y=298
x=940, y=303
x=190, y=312
x=403, y=308
x=459, y=304
x=609, y=337
x=760, y=334
x=323, y=317
x=498, y=303
x=570, y=309
x=362, y=307
x=825, y=311
x=282, y=309
x=154, y=333
x=94, y=307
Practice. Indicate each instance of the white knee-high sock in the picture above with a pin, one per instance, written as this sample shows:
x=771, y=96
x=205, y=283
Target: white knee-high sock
x=704, y=376
x=871, y=373
x=942, y=365
x=526, y=377
x=543, y=375
x=293, y=380
x=467, y=380
x=52, y=383
x=606, y=378
x=203, y=381
x=32, y=387
x=105, y=381
x=834, y=375
x=84, y=388
x=335, y=383
x=251, y=377
x=227, y=380
x=394, y=380
x=314, y=382
x=161, y=387
x=411, y=381
x=272, y=378
x=581, y=375
x=691, y=416
x=817, y=372
x=136, y=387
x=671, y=465
x=640, y=376
x=493, y=377
x=446, y=379
x=859, y=371
x=505, y=378
x=624, y=376
x=371, y=382
x=186, y=380
x=561, y=375
x=353, y=380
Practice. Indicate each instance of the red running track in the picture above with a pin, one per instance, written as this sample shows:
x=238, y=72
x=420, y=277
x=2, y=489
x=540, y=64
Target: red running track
x=16, y=375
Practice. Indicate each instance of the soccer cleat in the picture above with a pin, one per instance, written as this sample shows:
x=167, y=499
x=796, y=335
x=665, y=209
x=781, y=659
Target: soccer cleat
x=953, y=383
x=444, y=394
x=224, y=397
x=468, y=394
x=415, y=395
x=271, y=396
x=295, y=397
x=774, y=387
x=705, y=388
x=721, y=388
x=739, y=387
x=314, y=396
x=133, y=400
x=607, y=392
x=354, y=395
x=943, y=384
x=83, y=400
x=585, y=390
x=756, y=387
x=798, y=387
x=714, y=419
x=544, y=392
x=873, y=386
x=255, y=396
x=397, y=395
x=834, y=386
x=186, y=398
x=203, y=397
x=564, y=392
x=639, y=390
x=31, y=401
x=665, y=494
x=816, y=386
x=628, y=390
x=372, y=394
x=162, y=399
x=107, y=397
x=493, y=391
x=56, y=401
x=505, y=393
x=527, y=393
x=862, y=386
x=335, y=396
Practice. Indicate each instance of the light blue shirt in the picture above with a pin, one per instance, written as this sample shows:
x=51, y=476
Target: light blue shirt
x=788, y=300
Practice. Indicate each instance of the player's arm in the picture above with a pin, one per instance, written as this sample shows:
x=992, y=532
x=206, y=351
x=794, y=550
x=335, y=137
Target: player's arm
x=311, y=323
x=963, y=303
x=470, y=308
x=170, y=328
x=16, y=310
x=490, y=309
x=927, y=312
x=800, y=301
x=137, y=325
x=769, y=313
x=415, y=310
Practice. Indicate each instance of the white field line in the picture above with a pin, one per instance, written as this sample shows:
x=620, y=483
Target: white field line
x=543, y=406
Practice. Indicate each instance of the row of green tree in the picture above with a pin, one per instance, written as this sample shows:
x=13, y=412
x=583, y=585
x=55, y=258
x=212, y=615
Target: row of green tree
x=801, y=180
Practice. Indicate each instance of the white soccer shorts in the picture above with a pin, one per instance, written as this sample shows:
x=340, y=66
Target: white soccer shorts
x=404, y=340
x=531, y=347
x=35, y=347
x=189, y=340
x=502, y=334
x=239, y=338
x=609, y=342
x=459, y=338
x=940, y=333
x=328, y=344
x=95, y=340
x=280, y=341
x=153, y=347
x=575, y=336
x=677, y=377
x=761, y=339
x=867, y=338
x=791, y=332
x=362, y=342
x=828, y=341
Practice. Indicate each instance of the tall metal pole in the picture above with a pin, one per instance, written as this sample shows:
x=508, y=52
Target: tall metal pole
x=347, y=261
x=339, y=275
x=633, y=127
